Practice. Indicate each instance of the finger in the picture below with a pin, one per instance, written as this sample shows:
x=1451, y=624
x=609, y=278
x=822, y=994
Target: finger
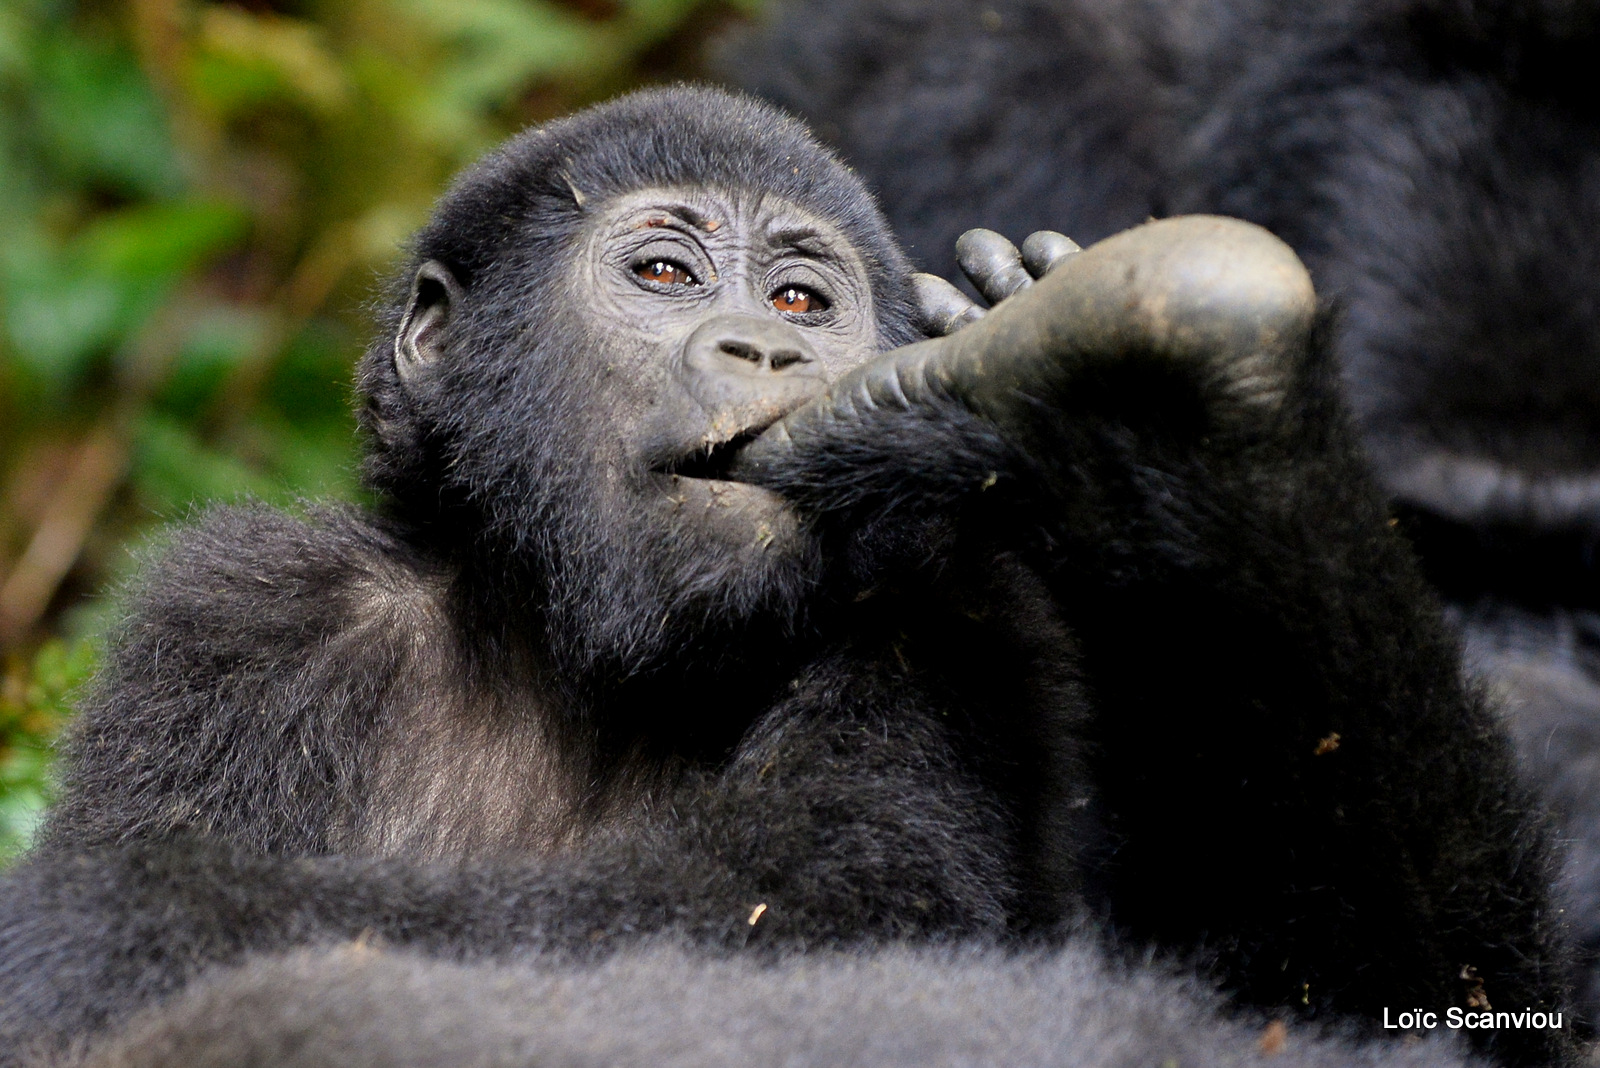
x=1044, y=249
x=993, y=264
x=943, y=308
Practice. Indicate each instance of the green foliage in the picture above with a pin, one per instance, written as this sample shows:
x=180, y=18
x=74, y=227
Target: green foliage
x=67, y=301
x=198, y=198
x=33, y=705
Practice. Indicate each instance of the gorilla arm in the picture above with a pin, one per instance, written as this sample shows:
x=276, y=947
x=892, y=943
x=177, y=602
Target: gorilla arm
x=1294, y=778
x=818, y=831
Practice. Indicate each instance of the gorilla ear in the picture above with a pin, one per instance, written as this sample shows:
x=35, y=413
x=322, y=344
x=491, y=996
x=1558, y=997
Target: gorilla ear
x=435, y=296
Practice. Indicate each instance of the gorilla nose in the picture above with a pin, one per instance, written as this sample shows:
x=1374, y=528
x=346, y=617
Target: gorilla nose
x=746, y=345
x=745, y=364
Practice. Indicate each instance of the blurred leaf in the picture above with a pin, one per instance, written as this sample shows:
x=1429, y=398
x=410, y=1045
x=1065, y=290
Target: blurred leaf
x=33, y=708
x=246, y=59
x=98, y=120
x=64, y=306
x=502, y=45
x=218, y=340
x=14, y=42
x=24, y=770
x=57, y=315
x=648, y=21
x=384, y=230
x=314, y=462
x=160, y=241
x=312, y=381
x=60, y=669
x=174, y=470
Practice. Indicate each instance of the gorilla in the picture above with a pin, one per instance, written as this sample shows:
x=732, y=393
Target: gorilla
x=736, y=590
x=1436, y=163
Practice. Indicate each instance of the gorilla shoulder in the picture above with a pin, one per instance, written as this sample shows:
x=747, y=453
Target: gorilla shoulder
x=256, y=638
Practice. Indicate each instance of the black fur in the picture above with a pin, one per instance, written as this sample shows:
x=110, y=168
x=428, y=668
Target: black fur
x=1436, y=163
x=1167, y=671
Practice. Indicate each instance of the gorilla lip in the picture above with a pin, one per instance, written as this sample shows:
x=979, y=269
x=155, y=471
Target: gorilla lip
x=711, y=461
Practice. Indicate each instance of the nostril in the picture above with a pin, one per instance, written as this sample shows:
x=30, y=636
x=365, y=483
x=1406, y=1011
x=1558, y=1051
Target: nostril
x=746, y=348
x=742, y=350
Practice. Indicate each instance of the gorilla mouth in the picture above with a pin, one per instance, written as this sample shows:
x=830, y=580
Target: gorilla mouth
x=712, y=461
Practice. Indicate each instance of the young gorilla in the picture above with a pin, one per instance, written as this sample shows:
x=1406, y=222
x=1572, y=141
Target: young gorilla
x=687, y=615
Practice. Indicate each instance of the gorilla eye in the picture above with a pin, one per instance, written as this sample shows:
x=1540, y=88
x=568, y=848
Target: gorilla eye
x=795, y=300
x=665, y=272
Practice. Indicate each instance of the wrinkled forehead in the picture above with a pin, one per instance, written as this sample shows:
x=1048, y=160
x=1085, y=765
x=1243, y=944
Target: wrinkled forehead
x=753, y=217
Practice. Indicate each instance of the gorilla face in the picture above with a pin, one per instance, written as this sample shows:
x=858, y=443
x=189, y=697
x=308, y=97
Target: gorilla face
x=596, y=319
x=591, y=405
x=719, y=312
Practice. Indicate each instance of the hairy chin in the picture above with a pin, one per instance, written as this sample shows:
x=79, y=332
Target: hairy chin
x=635, y=585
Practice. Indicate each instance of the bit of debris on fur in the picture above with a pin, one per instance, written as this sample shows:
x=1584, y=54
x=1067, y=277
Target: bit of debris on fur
x=1327, y=745
x=755, y=913
x=1477, y=997
x=1273, y=1038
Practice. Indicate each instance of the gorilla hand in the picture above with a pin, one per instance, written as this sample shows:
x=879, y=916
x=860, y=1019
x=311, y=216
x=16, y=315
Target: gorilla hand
x=995, y=267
